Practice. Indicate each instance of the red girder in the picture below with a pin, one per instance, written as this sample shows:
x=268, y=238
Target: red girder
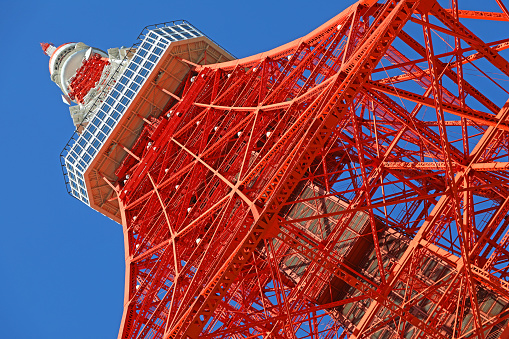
x=246, y=204
x=87, y=77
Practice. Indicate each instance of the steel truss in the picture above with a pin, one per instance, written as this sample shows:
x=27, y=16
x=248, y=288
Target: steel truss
x=370, y=109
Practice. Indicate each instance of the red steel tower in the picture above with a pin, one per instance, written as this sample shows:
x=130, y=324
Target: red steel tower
x=352, y=183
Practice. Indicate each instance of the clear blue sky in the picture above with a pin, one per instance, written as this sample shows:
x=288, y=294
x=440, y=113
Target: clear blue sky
x=62, y=268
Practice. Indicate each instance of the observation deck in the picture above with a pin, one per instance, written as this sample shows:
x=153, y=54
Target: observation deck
x=149, y=79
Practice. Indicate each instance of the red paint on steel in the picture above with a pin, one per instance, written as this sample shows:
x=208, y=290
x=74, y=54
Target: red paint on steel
x=281, y=189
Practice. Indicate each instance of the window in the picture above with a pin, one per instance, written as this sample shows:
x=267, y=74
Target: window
x=106, y=129
x=91, y=150
x=120, y=108
x=119, y=87
x=129, y=94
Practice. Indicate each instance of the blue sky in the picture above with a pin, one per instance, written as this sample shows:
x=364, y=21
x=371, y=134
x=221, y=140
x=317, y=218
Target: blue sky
x=62, y=267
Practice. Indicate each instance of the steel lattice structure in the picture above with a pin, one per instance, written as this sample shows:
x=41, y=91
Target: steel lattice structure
x=350, y=184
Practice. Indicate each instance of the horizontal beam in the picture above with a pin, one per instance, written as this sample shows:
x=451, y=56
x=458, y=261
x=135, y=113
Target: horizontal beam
x=489, y=166
x=481, y=15
x=467, y=113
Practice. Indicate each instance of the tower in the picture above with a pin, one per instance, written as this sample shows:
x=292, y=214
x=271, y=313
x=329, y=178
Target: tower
x=351, y=183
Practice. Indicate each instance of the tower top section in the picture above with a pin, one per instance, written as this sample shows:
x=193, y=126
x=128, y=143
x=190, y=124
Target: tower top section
x=64, y=63
x=81, y=72
x=48, y=48
x=150, y=77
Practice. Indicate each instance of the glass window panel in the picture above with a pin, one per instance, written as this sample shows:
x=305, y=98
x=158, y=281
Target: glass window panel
x=129, y=94
x=120, y=108
x=106, y=129
x=119, y=87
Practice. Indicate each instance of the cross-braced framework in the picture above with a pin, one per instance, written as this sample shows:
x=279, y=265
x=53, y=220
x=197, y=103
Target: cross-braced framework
x=350, y=184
